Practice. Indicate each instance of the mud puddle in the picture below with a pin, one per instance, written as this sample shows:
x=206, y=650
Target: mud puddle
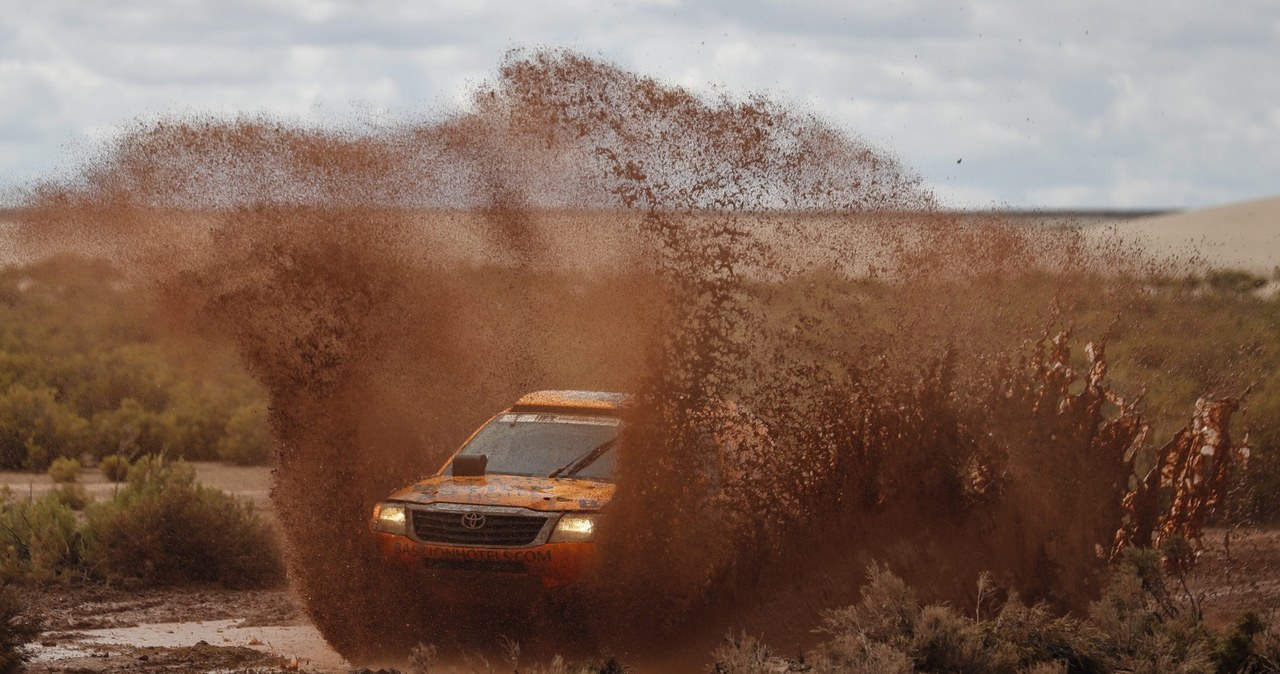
x=225, y=645
x=113, y=629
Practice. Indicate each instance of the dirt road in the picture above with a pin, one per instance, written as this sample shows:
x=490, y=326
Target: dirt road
x=249, y=482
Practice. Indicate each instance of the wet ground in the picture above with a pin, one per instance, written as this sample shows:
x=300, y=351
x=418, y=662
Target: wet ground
x=97, y=629
x=1239, y=571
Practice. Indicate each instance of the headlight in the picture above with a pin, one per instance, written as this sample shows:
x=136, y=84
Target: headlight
x=389, y=518
x=574, y=529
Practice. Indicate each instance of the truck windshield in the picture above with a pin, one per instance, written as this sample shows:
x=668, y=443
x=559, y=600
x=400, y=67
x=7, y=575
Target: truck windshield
x=538, y=445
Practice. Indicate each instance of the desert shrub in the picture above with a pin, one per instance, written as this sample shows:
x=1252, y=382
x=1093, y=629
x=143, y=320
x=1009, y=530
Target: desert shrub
x=72, y=496
x=886, y=611
x=744, y=655
x=35, y=428
x=423, y=658
x=1125, y=611
x=889, y=630
x=1257, y=495
x=247, y=438
x=20, y=624
x=115, y=467
x=64, y=470
x=1234, y=280
x=1249, y=647
x=1136, y=626
x=132, y=428
x=198, y=417
x=1269, y=647
x=39, y=540
x=559, y=665
x=1148, y=629
x=1032, y=637
x=163, y=528
x=1180, y=646
x=82, y=369
x=1047, y=668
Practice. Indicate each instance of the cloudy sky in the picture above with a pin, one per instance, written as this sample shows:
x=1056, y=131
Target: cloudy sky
x=1143, y=103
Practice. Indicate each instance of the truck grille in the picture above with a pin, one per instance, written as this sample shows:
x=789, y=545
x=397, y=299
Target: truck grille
x=499, y=530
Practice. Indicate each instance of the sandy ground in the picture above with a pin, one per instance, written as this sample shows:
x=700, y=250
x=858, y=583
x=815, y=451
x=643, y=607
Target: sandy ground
x=1239, y=236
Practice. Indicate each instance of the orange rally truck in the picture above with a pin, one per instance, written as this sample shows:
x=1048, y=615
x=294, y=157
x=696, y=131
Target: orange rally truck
x=522, y=496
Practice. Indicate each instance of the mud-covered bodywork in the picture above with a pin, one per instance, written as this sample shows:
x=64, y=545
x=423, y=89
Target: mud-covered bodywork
x=532, y=508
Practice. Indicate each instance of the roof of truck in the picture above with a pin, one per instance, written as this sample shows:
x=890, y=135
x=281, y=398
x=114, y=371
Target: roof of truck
x=597, y=401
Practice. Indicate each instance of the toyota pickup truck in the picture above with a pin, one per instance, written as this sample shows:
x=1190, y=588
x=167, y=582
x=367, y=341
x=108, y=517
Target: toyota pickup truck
x=522, y=496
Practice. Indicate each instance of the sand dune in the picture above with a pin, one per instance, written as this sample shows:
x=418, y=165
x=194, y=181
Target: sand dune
x=1243, y=236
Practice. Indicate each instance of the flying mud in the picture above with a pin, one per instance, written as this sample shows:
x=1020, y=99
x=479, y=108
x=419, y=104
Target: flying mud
x=902, y=384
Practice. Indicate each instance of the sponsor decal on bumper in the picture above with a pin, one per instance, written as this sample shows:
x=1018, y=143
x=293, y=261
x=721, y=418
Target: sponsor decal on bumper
x=556, y=564
x=485, y=555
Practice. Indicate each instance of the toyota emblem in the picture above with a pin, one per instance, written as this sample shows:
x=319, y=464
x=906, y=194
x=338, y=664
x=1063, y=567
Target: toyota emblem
x=473, y=520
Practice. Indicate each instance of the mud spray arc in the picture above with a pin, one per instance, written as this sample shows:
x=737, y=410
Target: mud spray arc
x=579, y=226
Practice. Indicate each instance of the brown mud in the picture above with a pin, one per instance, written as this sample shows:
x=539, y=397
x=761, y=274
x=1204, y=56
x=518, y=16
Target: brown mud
x=102, y=629
x=72, y=609
x=897, y=382
x=1237, y=572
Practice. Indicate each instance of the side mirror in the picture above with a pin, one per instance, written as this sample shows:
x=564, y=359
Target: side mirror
x=469, y=465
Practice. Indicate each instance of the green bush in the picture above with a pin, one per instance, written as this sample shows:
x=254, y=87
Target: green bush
x=115, y=468
x=1256, y=497
x=1251, y=646
x=83, y=370
x=71, y=495
x=19, y=626
x=64, y=470
x=247, y=438
x=35, y=428
x=39, y=540
x=1234, y=280
x=134, y=429
x=163, y=528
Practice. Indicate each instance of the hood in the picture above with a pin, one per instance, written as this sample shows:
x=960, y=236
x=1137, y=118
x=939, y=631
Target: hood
x=535, y=493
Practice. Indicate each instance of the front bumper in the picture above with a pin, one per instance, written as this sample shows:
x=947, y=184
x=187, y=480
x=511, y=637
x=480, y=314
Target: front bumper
x=507, y=540
x=555, y=564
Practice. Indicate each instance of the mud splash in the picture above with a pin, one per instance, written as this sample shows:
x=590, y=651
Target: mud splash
x=898, y=381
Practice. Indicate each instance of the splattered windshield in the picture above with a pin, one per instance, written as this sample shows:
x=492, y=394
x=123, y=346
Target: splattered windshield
x=548, y=445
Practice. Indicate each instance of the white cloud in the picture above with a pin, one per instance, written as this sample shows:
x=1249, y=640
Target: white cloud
x=1069, y=104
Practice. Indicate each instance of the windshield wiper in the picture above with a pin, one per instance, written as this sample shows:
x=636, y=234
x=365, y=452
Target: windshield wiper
x=584, y=460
